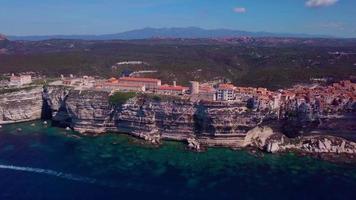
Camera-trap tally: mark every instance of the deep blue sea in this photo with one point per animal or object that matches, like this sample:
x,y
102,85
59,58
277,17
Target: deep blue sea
x,y
44,162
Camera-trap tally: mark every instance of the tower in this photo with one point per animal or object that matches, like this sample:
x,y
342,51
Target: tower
x,y
194,87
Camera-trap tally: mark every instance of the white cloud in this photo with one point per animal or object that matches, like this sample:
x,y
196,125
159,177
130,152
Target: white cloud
x,y
333,25
320,3
240,10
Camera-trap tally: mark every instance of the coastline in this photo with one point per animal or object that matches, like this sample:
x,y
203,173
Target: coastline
x,y
199,125
253,149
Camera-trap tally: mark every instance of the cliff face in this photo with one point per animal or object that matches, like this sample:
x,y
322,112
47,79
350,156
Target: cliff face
x,y
169,119
308,117
224,123
86,112
207,124
25,105
54,103
224,118
211,124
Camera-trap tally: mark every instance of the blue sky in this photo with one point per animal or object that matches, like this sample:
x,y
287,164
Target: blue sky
x,y
43,17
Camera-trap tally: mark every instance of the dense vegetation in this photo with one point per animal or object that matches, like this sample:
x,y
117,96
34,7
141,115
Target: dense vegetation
x,y
119,98
160,97
273,66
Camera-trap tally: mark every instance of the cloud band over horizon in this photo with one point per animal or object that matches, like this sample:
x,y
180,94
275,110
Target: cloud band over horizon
x,y
320,3
240,10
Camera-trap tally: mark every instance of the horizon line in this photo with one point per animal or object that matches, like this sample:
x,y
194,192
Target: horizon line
x,y
312,35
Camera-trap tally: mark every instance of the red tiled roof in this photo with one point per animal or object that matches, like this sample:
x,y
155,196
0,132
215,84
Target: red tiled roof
x,y
112,80
118,84
139,79
226,86
206,89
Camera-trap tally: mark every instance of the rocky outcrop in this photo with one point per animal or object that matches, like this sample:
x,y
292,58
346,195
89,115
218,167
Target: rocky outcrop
x,y
311,144
265,139
258,136
24,105
194,144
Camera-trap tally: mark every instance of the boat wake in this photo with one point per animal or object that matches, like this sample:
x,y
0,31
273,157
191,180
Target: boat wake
x,y
50,173
83,179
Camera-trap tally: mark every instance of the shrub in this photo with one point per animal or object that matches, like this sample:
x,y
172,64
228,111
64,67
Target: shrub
x,y
11,90
160,97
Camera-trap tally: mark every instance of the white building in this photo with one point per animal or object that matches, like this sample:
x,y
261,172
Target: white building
x,y
149,83
225,92
20,80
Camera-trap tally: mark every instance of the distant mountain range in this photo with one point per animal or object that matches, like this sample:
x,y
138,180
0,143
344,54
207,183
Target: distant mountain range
x,y
147,33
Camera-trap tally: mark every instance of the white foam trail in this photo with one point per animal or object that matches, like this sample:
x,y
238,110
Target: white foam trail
x,y
82,179
50,173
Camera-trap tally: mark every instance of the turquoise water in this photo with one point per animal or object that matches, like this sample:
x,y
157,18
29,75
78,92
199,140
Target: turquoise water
x,y
43,162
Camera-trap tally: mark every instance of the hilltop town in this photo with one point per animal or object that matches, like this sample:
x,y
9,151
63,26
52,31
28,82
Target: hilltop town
x,y
215,113
325,99
301,105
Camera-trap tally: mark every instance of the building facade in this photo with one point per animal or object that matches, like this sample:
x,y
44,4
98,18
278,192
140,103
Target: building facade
x,y
225,92
172,89
20,80
149,83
